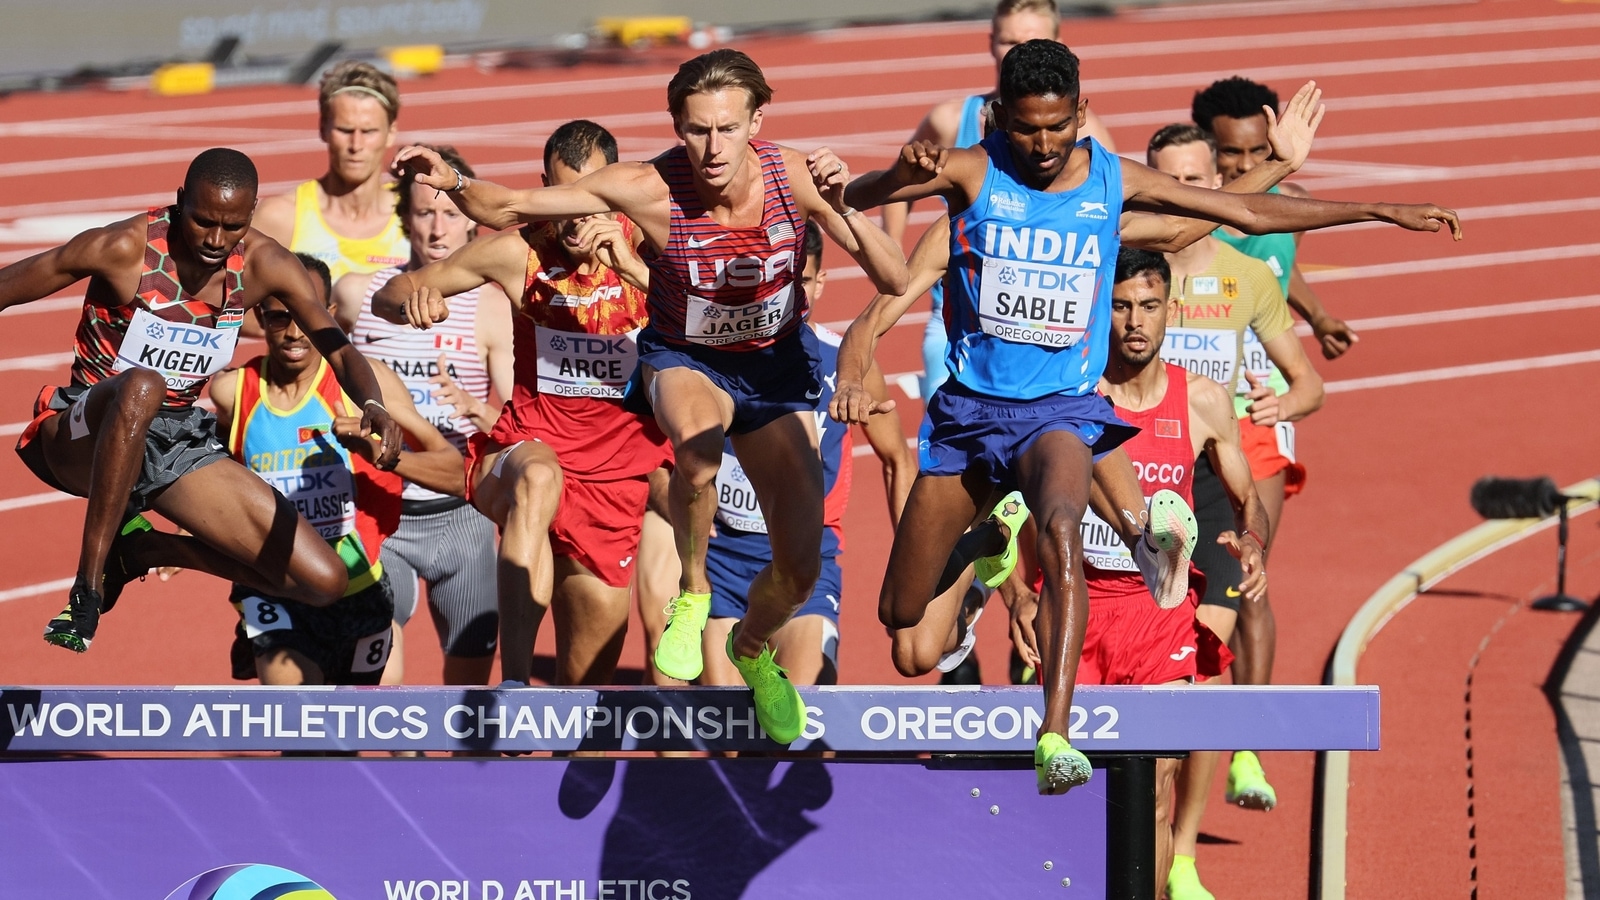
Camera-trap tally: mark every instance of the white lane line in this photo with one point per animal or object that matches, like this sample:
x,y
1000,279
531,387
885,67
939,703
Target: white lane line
x,y
1450,373
1452,263
34,500
1463,314
1496,131
34,590
1275,8
1496,211
42,361
53,304
1405,175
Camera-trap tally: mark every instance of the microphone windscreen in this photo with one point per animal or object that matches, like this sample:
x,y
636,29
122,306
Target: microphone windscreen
x,y
1515,498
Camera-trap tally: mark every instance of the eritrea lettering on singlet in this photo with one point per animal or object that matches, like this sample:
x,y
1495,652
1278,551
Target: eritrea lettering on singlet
x,y
1163,457
729,288
162,327
581,329
1029,289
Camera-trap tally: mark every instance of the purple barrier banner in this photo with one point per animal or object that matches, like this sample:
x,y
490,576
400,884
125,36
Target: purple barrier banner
x,y
846,719
642,829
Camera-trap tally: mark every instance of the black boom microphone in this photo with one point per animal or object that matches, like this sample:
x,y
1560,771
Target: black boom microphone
x,y
1531,498
1516,498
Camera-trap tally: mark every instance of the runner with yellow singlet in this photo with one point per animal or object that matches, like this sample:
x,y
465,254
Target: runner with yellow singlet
x,y
346,218
1224,294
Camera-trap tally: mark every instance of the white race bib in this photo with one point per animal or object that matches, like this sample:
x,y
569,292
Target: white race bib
x,y
324,495
1103,547
262,615
575,364
736,499
714,325
1284,432
372,652
185,355
1256,361
1211,352
1034,303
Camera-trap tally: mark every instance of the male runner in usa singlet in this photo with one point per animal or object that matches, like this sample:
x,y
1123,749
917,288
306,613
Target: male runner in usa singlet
x,y
166,294
727,351
1034,216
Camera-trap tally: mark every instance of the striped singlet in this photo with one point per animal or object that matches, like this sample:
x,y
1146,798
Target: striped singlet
x,y
729,288
162,327
413,354
350,502
343,255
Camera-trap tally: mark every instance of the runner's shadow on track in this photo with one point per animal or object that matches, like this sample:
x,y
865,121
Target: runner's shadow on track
x,y
1203,838
16,701
714,823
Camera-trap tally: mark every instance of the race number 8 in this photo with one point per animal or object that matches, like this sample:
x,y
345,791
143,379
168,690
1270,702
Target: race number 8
x,y
262,615
372,652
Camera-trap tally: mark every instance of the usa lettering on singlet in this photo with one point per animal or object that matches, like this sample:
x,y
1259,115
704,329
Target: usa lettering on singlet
x,y
162,328
729,288
741,524
413,354
1163,457
352,505
1028,296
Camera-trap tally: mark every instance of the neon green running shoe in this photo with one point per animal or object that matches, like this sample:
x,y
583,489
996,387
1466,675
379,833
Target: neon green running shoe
x,y
74,628
1247,783
678,655
994,570
779,708
1183,882
1057,767
117,575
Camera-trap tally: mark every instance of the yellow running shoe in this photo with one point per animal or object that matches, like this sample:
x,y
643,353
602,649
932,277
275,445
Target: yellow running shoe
x,y
1057,767
1247,783
994,570
779,708
678,655
1183,882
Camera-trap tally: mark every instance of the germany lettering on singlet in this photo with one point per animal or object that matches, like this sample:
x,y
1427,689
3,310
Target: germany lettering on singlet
x,y
729,288
161,328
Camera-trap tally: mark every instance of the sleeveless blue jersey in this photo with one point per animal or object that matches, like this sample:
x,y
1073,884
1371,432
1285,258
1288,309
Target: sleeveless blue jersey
x,y
741,526
1028,293
968,134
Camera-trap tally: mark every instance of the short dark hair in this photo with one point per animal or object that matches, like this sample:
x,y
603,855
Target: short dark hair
x,y
576,141
223,168
402,188
813,242
1133,262
319,269
1236,98
1038,68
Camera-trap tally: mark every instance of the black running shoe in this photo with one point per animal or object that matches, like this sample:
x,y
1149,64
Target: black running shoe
x,y
117,575
74,629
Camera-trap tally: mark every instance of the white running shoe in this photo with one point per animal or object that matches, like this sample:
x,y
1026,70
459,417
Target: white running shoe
x,y
972,604
1163,555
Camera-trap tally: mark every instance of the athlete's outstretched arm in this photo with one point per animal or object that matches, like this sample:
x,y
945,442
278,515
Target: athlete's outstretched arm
x,y
419,297
1218,431
1290,137
112,250
823,200
852,402
889,445
1146,190
501,207
923,169
278,274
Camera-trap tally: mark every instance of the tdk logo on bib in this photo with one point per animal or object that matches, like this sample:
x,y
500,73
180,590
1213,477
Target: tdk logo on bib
x,y
1008,205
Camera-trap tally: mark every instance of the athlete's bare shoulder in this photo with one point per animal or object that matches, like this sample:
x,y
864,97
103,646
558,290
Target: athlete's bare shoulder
x,y
1209,405
942,123
275,217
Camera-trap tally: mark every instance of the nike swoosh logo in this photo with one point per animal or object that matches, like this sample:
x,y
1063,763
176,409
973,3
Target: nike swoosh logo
x,y
813,395
696,245
373,339
1182,654
1231,592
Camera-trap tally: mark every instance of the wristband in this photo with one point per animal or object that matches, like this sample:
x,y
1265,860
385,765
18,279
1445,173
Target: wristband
x,y
461,182
847,212
375,403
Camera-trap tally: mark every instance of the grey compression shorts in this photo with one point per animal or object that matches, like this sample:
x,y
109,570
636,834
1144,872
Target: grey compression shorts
x,y
452,549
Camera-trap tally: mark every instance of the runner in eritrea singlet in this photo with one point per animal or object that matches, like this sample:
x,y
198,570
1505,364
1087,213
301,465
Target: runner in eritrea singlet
x,y
312,236
728,288
185,339
1030,278
1163,456
351,503
413,354
574,340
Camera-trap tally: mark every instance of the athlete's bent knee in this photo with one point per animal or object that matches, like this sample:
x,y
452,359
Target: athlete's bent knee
x,y
141,392
321,578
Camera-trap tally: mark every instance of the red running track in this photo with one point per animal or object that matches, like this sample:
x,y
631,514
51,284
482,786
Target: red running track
x,y
1487,107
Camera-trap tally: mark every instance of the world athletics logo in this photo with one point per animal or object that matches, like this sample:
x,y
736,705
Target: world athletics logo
x,y
250,882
